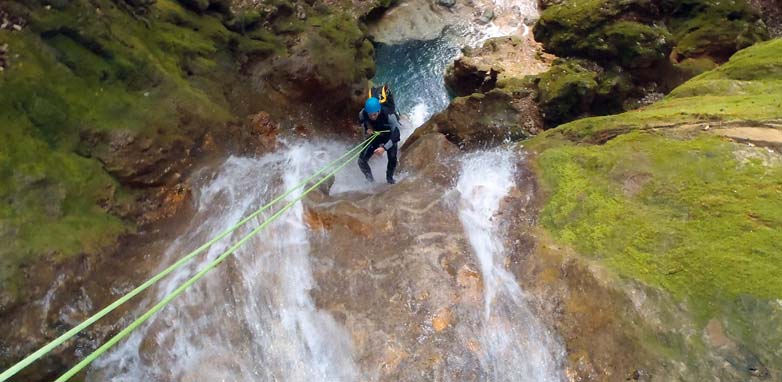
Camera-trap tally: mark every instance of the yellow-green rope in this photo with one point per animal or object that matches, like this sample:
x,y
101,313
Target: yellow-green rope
x,y
16,368
167,299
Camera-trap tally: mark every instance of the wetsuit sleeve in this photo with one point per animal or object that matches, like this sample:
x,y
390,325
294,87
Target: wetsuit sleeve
x,y
395,134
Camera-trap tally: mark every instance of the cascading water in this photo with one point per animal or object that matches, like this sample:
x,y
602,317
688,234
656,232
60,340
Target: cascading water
x,y
415,69
252,318
516,345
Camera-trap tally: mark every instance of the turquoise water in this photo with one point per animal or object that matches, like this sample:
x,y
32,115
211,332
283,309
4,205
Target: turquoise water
x,y
414,70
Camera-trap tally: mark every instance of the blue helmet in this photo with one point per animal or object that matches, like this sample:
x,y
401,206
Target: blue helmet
x,y
372,105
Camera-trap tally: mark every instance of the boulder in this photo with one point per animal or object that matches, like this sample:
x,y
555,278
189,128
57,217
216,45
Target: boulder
x,y
484,120
497,60
430,157
412,20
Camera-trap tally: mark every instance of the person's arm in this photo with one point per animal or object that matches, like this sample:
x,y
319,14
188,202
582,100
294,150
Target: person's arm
x,y
395,134
363,124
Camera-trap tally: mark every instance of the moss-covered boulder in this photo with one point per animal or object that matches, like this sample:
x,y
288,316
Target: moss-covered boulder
x,y
648,46
574,88
608,32
743,91
714,29
326,69
639,33
660,197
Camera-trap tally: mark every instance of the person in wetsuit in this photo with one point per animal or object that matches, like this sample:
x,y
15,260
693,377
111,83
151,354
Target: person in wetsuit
x,y
374,117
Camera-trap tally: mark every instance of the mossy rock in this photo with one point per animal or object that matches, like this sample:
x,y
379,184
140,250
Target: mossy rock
x,y
634,33
574,88
629,44
222,6
78,73
655,46
714,29
595,29
566,90
746,88
679,208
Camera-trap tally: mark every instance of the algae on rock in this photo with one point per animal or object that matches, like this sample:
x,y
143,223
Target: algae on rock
x,y
105,105
651,46
655,196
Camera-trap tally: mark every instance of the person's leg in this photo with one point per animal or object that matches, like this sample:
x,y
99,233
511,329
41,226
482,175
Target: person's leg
x,y
363,162
392,160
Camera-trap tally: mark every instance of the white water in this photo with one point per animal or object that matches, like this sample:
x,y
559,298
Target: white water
x,y
252,318
516,345
512,17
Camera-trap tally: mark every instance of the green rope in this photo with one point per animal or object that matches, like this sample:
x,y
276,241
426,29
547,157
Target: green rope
x,y
86,323
122,334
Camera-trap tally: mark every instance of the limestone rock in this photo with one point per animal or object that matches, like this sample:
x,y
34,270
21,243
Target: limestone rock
x,y
411,20
430,157
327,69
499,60
484,120
397,287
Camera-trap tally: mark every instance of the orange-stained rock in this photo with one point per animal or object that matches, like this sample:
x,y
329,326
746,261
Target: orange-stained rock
x,y
442,319
262,132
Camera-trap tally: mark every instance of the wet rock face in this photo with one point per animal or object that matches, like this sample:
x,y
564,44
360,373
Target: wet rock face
x,y
484,120
396,270
416,20
325,73
430,157
112,124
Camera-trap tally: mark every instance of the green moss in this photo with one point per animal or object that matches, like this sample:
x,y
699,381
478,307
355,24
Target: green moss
x,y
593,29
602,30
572,88
694,217
684,215
339,46
50,201
692,67
748,87
631,44
73,72
714,28
566,90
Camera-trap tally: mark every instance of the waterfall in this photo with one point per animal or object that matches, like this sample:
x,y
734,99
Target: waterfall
x,y
516,345
252,318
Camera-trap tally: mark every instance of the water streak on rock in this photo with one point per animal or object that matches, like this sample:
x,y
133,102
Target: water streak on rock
x,y
252,318
515,344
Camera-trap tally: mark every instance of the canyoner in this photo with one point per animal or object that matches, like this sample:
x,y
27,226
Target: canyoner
x,y
380,115
330,170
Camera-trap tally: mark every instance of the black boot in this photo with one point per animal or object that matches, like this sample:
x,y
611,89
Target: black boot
x,y
363,164
391,164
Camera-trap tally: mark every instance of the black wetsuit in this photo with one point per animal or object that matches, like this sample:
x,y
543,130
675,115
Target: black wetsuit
x,y
387,122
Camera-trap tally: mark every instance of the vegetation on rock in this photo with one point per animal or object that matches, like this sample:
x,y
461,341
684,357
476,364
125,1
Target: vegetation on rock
x,y
657,197
104,103
650,46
